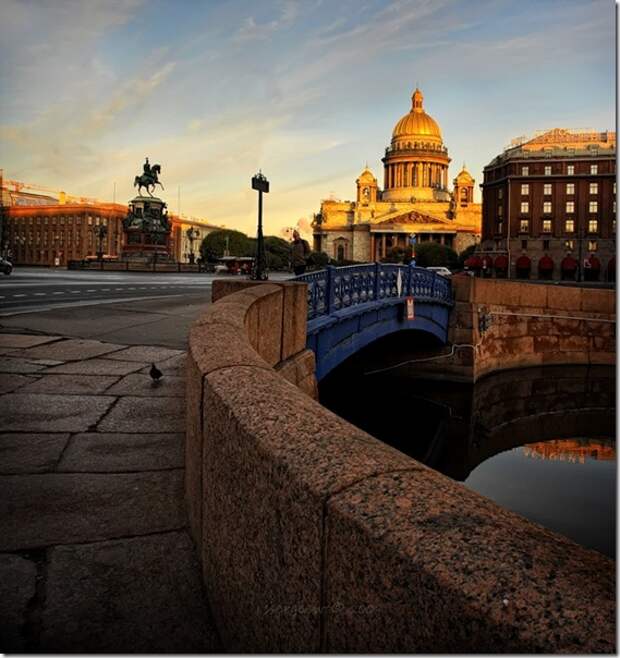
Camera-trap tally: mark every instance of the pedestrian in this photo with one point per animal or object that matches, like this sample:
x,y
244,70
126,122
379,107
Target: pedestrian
x,y
300,250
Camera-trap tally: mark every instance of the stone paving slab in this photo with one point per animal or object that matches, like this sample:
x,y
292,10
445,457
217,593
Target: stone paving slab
x,y
23,340
71,349
145,353
30,453
143,386
138,414
60,508
175,365
31,412
97,367
100,452
13,381
21,366
71,384
17,587
141,595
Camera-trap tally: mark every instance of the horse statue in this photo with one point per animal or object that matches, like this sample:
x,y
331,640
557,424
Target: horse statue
x,y
149,178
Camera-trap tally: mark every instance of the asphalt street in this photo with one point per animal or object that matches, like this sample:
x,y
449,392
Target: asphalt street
x,y
133,308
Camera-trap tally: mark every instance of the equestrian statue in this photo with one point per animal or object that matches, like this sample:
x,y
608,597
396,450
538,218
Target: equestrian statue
x,y
149,178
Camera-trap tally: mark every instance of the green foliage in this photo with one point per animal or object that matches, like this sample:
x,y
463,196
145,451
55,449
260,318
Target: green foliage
x,y
214,244
465,254
278,252
399,255
317,260
433,254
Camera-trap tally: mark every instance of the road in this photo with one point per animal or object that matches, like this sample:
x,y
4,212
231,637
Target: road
x,y
132,308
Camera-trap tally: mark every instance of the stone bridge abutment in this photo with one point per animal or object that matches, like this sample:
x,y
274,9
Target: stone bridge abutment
x,y
316,537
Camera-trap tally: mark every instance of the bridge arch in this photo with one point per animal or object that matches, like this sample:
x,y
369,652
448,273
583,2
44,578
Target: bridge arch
x,y
352,307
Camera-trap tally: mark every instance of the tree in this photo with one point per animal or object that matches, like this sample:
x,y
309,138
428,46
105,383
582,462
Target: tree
x,y
278,253
433,254
214,244
317,260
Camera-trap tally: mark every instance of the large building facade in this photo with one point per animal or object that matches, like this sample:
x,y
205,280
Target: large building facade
x,y
549,207
415,199
45,230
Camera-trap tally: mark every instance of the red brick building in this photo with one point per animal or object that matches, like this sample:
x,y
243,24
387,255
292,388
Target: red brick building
x,y
549,208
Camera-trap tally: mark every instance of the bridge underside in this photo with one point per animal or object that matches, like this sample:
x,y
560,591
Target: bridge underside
x,y
336,337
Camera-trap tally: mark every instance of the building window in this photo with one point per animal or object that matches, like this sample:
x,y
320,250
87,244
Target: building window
x,y
594,169
546,226
570,206
500,227
548,170
524,226
500,193
547,207
569,226
592,225
90,220
570,189
592,245
547,189
614,188
546,245
593,206
525,207
614,206
613,225
524,244
525,189
500,210
593,188
570,170
569,244
525,171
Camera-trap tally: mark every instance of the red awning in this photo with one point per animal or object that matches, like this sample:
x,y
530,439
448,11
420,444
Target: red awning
x,y
501,262
611,266
487,261
595,263
545,264
523,263
569,263
473,261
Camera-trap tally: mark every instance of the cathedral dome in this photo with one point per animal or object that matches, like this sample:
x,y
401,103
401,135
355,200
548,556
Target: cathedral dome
x,y
417,124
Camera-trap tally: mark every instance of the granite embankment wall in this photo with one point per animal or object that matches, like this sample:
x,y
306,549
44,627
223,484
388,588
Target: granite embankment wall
x,y
316,537
528,325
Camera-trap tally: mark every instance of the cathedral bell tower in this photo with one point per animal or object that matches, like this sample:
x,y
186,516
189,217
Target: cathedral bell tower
x,y
366,188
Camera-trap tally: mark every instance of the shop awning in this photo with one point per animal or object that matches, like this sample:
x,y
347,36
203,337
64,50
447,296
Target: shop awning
x,y
545,264
523,263
569,263
487,261
595,263
501,262
473,261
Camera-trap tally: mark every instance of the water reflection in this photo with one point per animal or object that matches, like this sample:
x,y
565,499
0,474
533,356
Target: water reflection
x,y
539,441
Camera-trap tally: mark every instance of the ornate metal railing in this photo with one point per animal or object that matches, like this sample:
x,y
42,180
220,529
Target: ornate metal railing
x,y
338,288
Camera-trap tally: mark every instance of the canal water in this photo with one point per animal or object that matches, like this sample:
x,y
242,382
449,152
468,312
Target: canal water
x,y
538,441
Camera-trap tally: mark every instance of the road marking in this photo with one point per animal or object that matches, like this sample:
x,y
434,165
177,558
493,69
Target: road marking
x,y
118,289
74,292
105,290
1,296
40,294
91,290
19,295
58,293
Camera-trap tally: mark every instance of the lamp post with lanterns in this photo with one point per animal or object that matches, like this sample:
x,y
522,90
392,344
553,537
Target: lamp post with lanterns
x,y
100,233
259,271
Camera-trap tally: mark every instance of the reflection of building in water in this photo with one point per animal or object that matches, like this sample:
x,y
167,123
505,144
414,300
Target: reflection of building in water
x,y
571,450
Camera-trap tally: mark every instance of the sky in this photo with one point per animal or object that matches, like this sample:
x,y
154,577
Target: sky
x,y
307,91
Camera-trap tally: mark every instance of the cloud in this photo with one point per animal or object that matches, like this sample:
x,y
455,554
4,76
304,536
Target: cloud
x,y
251,30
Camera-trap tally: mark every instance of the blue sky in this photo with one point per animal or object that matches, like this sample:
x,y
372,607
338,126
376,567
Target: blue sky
x,y
308,91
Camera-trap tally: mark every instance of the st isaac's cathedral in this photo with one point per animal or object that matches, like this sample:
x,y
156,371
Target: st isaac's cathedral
x,y
415,199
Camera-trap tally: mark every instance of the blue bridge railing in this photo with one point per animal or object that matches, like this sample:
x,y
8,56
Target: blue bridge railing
x,y
338,288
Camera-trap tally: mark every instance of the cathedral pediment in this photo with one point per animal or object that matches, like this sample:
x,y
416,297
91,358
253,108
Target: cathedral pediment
x,y
410,218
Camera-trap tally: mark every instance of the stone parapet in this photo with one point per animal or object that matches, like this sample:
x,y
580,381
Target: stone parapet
x,y
316,537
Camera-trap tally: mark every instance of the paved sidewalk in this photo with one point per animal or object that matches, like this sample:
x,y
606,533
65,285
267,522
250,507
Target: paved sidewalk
x,y
94,550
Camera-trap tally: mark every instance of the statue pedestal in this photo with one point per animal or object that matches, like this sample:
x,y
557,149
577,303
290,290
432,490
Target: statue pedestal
x,y
147,231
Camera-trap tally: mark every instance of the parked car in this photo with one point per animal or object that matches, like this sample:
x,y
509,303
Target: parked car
x,y
5,266
443,271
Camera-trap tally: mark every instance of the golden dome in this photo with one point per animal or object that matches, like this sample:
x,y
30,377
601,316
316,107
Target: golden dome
x,y
417,124
464,176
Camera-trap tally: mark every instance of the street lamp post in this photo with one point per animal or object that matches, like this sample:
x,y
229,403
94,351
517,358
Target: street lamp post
x,y
100,233
259,273
192,234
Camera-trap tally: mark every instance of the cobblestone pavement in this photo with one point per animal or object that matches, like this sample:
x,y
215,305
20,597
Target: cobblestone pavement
x,y
95,556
